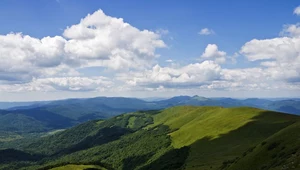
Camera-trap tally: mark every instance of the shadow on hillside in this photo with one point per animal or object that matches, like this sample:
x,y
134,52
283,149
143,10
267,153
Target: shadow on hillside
x,y
135,161
217,153
212,153
206,153
172,160
150,112
50,119
12,155
103,136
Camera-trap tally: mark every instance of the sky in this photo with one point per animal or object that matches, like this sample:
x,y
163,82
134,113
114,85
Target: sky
x,y
56,49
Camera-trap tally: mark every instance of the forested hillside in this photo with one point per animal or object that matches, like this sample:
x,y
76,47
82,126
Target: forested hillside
x,y
182,137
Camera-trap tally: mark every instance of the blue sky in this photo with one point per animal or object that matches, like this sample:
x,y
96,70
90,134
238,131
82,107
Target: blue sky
x,y
174,58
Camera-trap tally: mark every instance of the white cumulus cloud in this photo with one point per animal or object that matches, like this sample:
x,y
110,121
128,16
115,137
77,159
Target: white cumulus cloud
x,y
111,42
212,52
97,40
61,84
280,56
51,63
297,11
206,31
190,75
292,30
23,57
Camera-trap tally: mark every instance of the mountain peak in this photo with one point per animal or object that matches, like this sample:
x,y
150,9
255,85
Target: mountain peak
x,y
200,98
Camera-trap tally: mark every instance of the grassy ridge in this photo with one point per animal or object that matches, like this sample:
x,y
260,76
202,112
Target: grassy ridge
x,y
280,151
193,123
218,134
42,117
182,137
214,152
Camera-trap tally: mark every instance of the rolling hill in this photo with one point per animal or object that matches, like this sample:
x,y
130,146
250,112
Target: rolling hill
x,y
38,118
105,107
181,137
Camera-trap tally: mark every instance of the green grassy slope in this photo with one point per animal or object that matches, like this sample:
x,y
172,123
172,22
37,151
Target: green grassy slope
x,y
182,137
194,123
43,117
218,134
280,151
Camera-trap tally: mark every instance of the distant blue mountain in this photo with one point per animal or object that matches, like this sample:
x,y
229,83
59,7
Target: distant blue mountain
x,y
7,105
45,116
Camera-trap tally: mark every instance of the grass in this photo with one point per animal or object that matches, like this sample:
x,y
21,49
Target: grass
x,y
193,123
216,135
131,122
99,122
280,151
182,137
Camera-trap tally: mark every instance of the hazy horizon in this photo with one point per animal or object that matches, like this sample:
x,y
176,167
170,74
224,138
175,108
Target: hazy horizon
x,y
151,98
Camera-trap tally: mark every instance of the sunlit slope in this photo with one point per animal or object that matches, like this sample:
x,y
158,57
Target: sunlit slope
x,y
182,137
191,123
216,135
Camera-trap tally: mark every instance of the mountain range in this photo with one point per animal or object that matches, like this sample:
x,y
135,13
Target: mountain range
x,y
179,137
36,117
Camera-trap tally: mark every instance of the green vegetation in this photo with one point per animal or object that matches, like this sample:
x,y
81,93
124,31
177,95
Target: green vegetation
x,y
9,136
182,137
89,134
20,123
219,133
280,151
53,132
213,121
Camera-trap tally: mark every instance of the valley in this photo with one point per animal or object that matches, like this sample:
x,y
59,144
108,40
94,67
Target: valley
x,y
179,137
